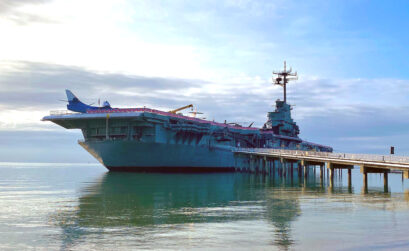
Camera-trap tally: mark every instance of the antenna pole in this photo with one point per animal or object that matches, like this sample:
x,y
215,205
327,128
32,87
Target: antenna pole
x,y
285,82
283,77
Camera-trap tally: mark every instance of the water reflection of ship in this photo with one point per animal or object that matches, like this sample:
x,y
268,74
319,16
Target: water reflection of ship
x,y
147,201
152,201
140,199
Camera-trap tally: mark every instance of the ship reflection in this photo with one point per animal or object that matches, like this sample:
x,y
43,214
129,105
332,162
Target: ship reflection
x,y
150,202
151,199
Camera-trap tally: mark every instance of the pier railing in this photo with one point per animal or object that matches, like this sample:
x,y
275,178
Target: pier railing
x,y
62,112
341,156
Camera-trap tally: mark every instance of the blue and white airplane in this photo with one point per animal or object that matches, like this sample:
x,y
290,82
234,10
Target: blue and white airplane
x,y
75,105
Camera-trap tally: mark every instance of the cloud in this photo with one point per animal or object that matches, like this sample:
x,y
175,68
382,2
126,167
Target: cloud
x,y
11,10
196,39
39,85
360,128
10,5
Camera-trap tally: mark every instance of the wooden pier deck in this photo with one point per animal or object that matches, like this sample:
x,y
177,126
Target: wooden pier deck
x,y
267,160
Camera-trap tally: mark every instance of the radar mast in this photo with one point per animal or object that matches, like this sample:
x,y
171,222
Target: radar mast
x,y
283,77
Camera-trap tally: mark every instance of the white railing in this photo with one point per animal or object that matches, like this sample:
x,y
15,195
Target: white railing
x,y
62,112
341,156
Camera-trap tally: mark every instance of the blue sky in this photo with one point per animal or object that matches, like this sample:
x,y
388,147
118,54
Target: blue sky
x,y
351,56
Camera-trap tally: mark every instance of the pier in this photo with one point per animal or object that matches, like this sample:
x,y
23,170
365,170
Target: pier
x,y
261,160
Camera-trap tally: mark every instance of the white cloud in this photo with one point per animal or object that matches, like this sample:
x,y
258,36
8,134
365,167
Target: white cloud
x,y
26,120
93,34
182,39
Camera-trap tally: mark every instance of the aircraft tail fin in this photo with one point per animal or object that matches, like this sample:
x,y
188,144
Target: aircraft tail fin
x,y
70,96
75,105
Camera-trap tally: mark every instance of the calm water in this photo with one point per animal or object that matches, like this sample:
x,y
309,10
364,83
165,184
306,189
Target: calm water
x,y
79,207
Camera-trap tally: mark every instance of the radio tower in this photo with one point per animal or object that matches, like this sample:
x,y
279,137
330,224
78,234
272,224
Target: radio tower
x,y
283,77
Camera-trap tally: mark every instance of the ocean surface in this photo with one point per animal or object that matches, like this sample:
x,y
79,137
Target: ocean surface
x,y
84,207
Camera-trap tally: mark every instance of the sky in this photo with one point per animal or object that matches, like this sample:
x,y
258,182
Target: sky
x,y
351,58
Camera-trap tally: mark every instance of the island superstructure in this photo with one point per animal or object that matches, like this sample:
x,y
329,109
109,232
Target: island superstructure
x,y
144,139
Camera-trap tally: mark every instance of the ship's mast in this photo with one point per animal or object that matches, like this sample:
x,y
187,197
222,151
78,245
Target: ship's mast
x,y
283,77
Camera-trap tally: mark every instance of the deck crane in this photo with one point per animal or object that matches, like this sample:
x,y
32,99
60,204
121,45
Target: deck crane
x,y
181,108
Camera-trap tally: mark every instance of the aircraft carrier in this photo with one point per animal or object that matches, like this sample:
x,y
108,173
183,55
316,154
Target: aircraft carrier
x,y
144,139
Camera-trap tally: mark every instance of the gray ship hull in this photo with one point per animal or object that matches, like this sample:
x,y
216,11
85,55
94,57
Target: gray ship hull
x,y
131,155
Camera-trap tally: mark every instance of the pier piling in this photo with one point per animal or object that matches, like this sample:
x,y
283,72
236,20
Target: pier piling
x,y
299,169
331,174
405,174
274,166
385,181
305,167
365,179
292,170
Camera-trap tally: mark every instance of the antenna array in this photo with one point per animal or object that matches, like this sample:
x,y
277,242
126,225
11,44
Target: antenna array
x,y
283,77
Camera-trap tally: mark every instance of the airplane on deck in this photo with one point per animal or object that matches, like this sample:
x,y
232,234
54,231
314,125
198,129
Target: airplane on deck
x,y
75,105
